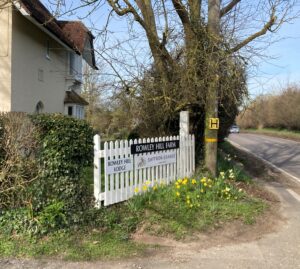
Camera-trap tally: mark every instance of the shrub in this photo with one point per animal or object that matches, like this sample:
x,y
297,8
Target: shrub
x,y
66,148
18,167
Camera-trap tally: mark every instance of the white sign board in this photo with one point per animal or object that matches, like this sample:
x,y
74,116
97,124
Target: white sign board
x,y
118,165
159,158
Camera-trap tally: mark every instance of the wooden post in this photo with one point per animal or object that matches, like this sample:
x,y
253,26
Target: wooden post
x,y
184,123
211,110
97,170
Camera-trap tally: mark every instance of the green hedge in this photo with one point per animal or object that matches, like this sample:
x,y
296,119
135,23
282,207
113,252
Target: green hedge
x,y
66,148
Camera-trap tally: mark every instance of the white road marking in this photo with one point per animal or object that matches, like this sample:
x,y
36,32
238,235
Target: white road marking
x,y
295,179
295,195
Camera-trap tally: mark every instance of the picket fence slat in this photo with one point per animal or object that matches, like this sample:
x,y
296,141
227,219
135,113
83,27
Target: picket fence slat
x,y
122,185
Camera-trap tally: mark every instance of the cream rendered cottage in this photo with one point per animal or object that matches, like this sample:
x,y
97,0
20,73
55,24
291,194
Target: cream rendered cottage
x,y
41,60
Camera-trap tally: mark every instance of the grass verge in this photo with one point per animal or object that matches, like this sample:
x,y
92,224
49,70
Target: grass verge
x,y
293,135
177,210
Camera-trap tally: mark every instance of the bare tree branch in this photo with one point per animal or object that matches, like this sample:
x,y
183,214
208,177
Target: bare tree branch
x,y
263,31
229,7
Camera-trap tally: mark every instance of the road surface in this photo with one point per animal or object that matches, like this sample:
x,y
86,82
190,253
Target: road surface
x,y
282,153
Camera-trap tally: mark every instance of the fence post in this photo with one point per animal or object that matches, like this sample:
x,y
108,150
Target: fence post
x,y
184,123
97,170
183,134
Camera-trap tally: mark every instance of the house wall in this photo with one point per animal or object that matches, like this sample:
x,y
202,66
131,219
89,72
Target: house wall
x,y
36,77
5,59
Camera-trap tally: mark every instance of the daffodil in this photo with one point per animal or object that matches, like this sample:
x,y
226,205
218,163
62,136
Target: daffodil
x,y
136,190
203,179
145,188
177,193
194,181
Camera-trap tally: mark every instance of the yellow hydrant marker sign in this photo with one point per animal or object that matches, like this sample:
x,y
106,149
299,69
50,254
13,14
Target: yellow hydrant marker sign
x,y
213,123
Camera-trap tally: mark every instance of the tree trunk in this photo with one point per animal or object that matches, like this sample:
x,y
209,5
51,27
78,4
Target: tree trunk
x,y
211,110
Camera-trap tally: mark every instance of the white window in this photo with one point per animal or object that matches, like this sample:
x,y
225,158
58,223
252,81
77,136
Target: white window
x,y
76,111
75,66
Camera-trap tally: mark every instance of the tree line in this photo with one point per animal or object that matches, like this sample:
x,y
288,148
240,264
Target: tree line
x,y
281,110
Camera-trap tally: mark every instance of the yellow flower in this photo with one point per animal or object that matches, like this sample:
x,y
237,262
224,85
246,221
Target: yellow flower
x,y
203,179
185,181
177,193
177,186
194,181
147,182
205,184
179,181
188,201
145,188
136,190
154,187
202,190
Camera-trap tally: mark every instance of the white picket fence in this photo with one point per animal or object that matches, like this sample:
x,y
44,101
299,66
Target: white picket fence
x,y
117,187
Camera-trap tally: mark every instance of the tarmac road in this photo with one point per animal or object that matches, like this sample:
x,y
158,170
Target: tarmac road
x,y
284,154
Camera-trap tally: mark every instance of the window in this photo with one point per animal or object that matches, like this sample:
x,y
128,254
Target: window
x,y
39,108
76,111
79,112
70,110
41,75
48,49
75,66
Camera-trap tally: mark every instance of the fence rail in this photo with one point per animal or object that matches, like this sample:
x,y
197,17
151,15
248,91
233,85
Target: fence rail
x,y
132,173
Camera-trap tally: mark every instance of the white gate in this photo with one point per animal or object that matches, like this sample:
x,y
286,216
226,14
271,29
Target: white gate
x,y
127,172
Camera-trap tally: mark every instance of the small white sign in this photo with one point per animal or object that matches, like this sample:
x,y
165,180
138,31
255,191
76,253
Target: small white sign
x,y
160,158
118,165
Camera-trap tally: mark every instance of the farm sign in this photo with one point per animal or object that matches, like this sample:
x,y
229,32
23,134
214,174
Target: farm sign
x,y
154,146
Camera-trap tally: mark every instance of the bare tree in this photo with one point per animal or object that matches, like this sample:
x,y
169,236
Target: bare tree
x,y
206,34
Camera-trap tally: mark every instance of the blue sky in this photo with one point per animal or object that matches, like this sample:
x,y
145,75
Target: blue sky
x,y
282,65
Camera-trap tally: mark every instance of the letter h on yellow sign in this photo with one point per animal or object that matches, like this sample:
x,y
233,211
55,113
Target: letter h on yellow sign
x,y
213,123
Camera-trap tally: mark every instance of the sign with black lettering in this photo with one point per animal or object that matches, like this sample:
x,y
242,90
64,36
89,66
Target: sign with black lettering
x,y
118,165
155,159
213,123
154,146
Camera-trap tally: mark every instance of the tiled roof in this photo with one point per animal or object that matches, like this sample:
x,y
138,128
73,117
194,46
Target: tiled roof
x,y
71,97
72,33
